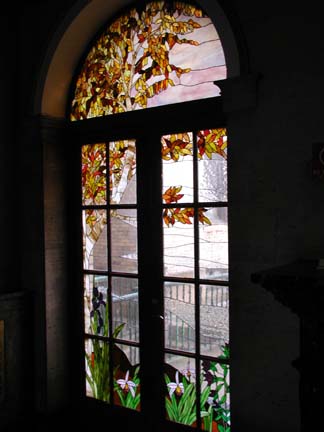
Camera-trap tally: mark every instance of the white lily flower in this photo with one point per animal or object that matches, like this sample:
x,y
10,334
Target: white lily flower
x,y
176,387
127,385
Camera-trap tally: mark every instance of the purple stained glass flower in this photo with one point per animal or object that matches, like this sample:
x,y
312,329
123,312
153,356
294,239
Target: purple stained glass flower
x,y
98,308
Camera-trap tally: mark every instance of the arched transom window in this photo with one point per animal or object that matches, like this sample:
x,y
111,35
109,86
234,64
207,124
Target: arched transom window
x,y
161,53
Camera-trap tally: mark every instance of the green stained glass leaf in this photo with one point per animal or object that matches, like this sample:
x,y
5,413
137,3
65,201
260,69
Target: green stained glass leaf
x,y
127,377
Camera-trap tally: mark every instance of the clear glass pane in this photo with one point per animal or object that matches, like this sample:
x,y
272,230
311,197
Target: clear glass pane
x,y
126,376
178,242
94,186
165,53
97,369
94,239
125,308
124,240
179,316
180,377
215,395
95,305
213,243
212,166
122,172
214,316
177,168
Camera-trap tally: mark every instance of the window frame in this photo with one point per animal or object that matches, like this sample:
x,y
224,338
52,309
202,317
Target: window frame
x,y
180,117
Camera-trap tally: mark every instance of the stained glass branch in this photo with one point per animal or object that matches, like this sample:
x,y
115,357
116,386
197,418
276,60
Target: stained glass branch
x,y
194,85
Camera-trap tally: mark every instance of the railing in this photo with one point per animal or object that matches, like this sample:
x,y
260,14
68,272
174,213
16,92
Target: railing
x,y
210,295
180,335
179,332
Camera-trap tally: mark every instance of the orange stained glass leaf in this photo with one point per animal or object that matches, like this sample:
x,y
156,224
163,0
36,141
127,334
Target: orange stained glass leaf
x,y
176,145
202,217
184,216
134,60
212,141
188,9
171,195
93,174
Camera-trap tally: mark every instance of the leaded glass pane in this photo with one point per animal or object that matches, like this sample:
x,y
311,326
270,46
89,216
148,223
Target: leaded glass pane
x,y
212,166
125,307
214,316
179,316
177,168
215,394
95,305
213,243
94,185
94,239
126,376
97,369
124,240
180,400
178,240
167,52
122,172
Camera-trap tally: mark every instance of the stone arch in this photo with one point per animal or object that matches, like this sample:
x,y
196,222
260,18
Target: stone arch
x,y
52,86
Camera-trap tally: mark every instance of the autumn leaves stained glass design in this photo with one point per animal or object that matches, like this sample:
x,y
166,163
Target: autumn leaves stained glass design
x,y
177,147
178,165
165,52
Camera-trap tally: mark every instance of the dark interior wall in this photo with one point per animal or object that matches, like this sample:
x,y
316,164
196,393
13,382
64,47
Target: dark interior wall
x,y
9,160
276,211
277,206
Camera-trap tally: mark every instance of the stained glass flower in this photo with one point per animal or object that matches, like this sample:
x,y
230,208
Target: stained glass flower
x,y
176,387
127,385
188,372
98,308
97,299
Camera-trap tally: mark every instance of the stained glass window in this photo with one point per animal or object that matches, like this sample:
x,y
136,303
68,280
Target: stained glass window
x,y
109,214
162,53
195,267
154,225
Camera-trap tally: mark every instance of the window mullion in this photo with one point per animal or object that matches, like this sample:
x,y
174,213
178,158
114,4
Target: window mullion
x,y
150,270
197,276
109,288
